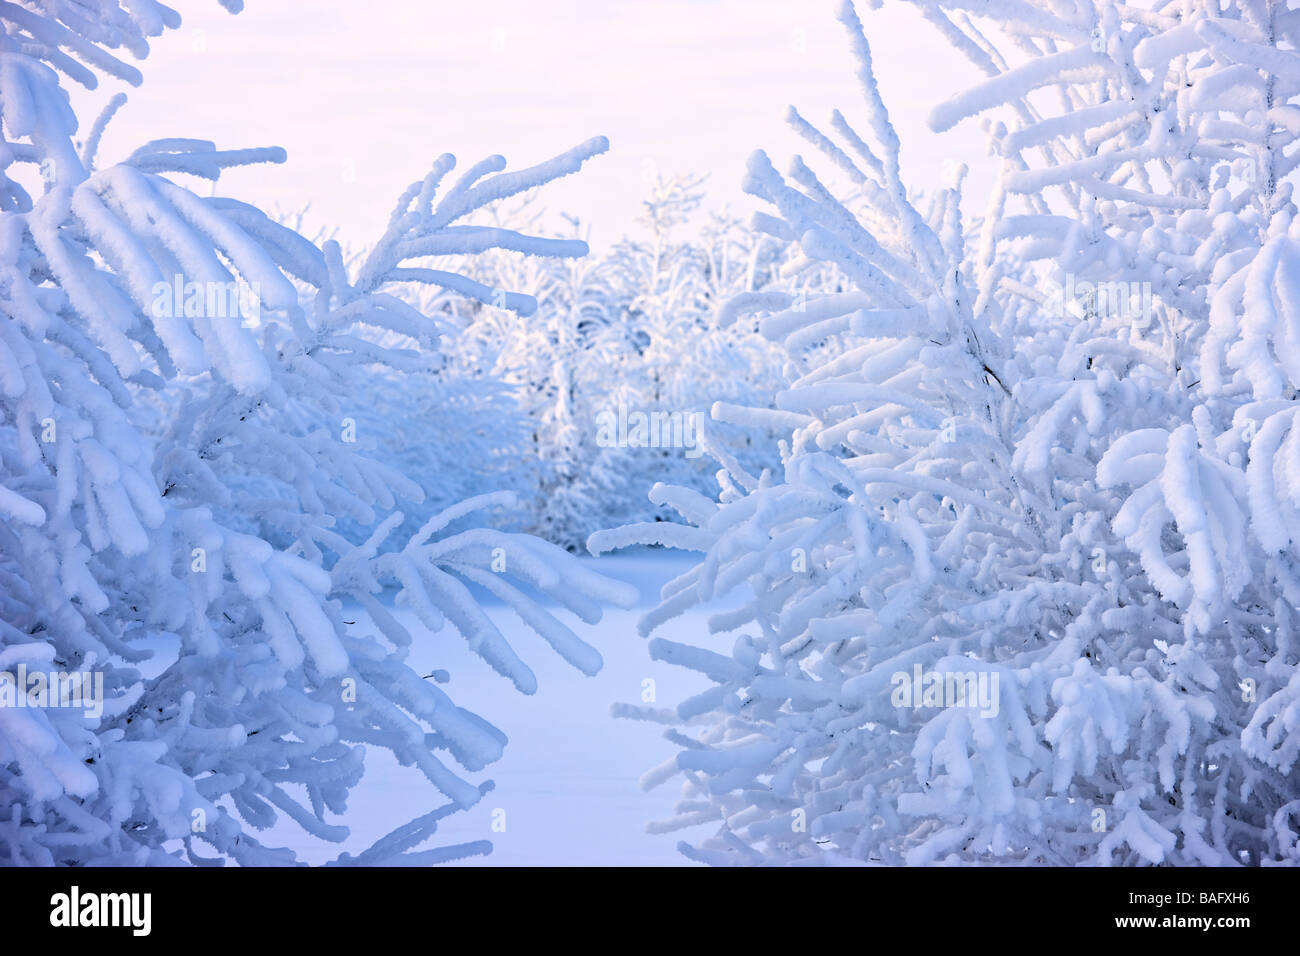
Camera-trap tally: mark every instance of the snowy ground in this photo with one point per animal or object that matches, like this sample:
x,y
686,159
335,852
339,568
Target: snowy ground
x,y
568,780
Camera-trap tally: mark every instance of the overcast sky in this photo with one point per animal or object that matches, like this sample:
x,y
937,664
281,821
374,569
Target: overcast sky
x,y
365,95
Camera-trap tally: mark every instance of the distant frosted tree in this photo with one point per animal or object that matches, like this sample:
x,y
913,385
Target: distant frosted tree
x,y
631,330
1025,589
196,563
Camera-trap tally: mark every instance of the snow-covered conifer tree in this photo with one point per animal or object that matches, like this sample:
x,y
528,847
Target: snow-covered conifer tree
x,y
195,562
628,330
1026,587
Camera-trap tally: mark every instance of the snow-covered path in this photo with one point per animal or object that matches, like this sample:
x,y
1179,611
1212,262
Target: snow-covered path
x,y
568,779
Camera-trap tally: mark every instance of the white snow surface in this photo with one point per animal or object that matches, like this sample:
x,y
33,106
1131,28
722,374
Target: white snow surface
x,y
568,779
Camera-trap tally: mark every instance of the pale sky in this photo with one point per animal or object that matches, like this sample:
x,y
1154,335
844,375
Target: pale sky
x,y
364,96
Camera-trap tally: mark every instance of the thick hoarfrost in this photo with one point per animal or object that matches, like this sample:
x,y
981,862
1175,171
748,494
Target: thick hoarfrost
x,y
1025,587
179,468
